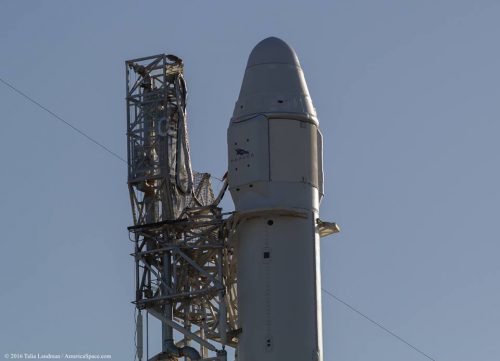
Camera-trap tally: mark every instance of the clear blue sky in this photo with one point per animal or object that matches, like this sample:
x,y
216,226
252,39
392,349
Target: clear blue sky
x,y
407,94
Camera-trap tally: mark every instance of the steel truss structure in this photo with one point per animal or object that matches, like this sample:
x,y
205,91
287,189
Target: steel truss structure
x,y
185,272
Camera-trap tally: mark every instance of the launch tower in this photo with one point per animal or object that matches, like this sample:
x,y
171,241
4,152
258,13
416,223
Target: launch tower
x,y
184,272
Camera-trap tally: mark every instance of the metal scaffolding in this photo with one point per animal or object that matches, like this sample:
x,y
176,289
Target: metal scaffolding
x,y
185,269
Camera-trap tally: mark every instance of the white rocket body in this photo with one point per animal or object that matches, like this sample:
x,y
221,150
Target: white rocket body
x,y
276,181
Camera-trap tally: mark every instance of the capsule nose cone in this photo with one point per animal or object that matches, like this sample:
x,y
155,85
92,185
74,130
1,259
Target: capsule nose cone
x,y
272,51
273,83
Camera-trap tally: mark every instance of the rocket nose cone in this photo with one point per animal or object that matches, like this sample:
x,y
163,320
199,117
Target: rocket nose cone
x,y
274,83
272,51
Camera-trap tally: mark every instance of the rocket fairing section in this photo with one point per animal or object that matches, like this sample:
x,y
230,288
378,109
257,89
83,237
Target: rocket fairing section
x,y
275,177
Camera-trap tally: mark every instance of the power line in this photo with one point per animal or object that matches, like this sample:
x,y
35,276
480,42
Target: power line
x,y
377,324
81,132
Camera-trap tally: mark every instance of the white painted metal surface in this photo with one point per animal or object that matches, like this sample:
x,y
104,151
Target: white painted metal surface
x,y
276,181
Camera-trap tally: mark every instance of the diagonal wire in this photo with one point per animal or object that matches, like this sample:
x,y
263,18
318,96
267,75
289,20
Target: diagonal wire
x,y
88,137
81,132
377,324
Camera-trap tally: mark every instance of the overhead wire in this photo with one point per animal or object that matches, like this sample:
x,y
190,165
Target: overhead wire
x,y
378,324
79,131
103,147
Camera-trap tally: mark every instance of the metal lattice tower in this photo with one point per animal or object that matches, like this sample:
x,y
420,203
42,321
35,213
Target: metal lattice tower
x,y
185,272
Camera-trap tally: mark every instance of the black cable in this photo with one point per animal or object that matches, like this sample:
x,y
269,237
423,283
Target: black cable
x,y
62,120
135,333
147,335
377,324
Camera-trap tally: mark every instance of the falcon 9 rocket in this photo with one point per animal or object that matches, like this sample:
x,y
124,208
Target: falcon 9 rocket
x,y
275,177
